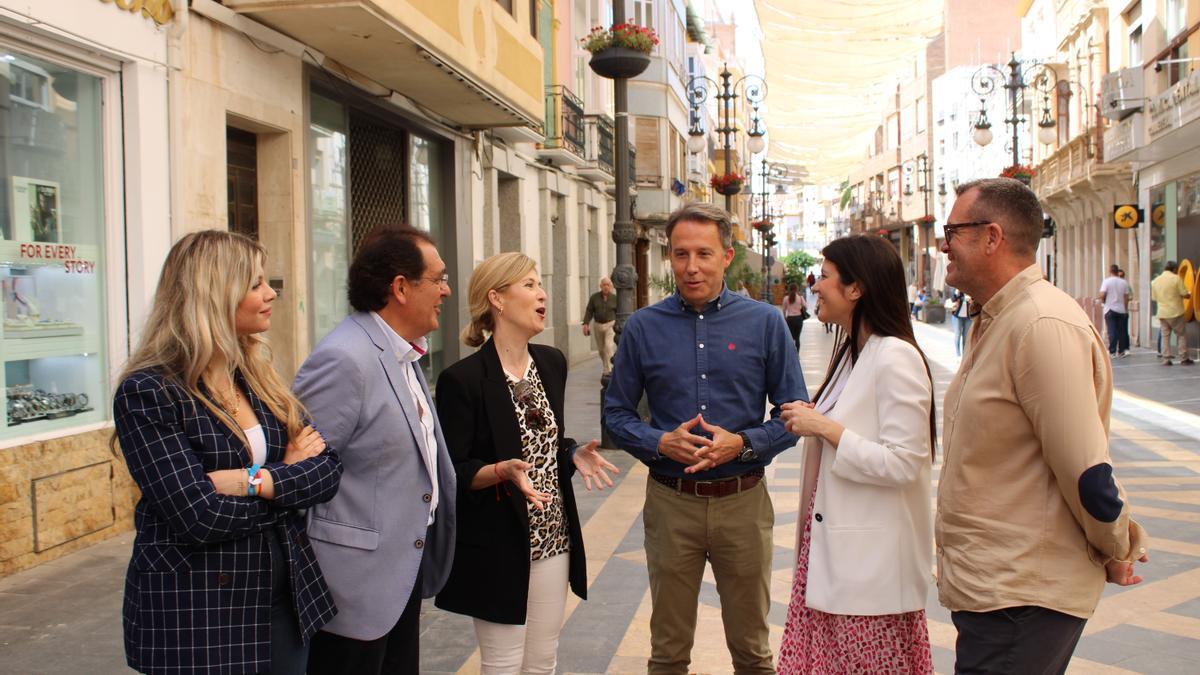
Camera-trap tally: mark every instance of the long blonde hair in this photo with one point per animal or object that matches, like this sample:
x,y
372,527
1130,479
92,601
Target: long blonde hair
x,y
494,274
192,322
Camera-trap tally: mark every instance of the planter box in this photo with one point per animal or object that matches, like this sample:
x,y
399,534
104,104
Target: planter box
x,y
933,313
619,63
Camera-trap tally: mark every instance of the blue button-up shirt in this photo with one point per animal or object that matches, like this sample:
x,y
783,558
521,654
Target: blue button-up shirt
x,y
724,362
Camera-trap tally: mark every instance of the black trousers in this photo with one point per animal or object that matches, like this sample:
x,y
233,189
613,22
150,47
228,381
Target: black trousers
x,y
1116,325
795,324
1029,640
397,652
288,651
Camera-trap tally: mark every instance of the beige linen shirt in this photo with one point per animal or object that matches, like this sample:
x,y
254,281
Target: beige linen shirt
x,y
1026,417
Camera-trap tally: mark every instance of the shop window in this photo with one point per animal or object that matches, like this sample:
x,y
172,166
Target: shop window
x,y
52,273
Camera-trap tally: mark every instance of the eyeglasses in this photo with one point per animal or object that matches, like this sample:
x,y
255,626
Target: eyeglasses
x,y
951,228
443,280
526,395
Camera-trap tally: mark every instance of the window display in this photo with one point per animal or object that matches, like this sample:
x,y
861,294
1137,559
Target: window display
x,y
51,246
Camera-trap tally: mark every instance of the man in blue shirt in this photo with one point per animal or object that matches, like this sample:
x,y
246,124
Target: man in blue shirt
x,y
708,361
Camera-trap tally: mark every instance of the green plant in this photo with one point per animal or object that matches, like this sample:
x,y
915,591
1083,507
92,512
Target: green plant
x,y
795,264
664,282
847,194
695,27
627,35
739,269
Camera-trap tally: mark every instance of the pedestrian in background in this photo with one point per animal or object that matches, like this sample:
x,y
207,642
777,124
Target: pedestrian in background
x,y
1030,520
708,362
795,312
960,310
520,542
864,554
1115,293
1169,292
222,578
598,320
386,541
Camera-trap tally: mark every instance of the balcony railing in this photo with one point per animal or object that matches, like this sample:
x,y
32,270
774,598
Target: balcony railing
x,y
564,120
598,150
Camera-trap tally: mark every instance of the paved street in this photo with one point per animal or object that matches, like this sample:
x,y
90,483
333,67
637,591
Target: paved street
x,y
64,617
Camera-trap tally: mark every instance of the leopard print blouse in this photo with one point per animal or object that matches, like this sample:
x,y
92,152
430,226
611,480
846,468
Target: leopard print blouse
x,y
539,442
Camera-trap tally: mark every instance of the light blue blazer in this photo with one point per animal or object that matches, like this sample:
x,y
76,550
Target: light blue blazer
x,y
371,538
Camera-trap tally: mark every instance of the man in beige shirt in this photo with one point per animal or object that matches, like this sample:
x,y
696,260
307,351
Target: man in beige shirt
x,y
1030,521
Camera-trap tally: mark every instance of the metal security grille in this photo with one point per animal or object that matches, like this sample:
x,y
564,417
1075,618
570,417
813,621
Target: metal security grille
x,y
378,176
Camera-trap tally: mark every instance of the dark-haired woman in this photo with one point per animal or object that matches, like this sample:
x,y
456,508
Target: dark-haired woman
x,y
865,528
795,311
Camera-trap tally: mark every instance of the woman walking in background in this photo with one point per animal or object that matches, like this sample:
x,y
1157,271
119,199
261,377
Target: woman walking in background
x,y
960,310
865,528
222,578
795,311
519,541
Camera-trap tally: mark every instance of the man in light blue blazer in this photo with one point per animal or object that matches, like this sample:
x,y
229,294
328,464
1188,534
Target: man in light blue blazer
x,y
387,539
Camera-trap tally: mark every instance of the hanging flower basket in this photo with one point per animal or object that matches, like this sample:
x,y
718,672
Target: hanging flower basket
x,y
926,220
622,51
1021,172
729,184
762,225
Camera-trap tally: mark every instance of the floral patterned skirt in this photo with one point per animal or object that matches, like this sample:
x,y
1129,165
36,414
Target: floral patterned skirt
x,y
817,642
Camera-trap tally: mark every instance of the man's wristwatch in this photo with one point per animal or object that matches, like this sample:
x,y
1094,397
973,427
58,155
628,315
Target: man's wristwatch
x,y
747,454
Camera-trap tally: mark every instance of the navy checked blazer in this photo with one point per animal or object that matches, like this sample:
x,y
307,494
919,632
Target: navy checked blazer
x,y
198,588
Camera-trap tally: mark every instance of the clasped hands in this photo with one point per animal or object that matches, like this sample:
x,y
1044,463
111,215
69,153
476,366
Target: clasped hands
x,y
699,453
232,482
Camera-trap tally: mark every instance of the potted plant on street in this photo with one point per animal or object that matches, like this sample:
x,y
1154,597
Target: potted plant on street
x,y
622,51
727,184
1021,172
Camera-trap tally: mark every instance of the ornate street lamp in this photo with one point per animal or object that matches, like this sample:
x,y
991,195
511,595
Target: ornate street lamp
x,y
624,274
1021,75
925,187
753,88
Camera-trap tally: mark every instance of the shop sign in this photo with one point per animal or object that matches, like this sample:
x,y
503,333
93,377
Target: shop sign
x,y
1175,107
1124,137
73,258
160,11
1126,216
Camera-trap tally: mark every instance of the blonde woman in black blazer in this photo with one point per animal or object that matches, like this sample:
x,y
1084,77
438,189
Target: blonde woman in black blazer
x,y
519,541
222,578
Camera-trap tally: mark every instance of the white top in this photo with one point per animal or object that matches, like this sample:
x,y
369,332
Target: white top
x,y
258,443
1115,289
408,353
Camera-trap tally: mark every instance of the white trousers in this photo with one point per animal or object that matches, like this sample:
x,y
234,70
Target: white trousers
x,y
507,649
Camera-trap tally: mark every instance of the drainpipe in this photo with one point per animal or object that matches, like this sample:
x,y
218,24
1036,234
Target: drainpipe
x,y
176,56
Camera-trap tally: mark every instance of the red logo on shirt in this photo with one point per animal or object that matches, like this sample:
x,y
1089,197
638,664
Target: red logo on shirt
x,y
732,346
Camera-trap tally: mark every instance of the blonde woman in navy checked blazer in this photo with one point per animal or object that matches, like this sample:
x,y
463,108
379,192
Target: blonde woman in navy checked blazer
x,y
222,578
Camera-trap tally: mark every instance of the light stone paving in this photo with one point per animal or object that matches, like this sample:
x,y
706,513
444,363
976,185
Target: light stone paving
x,y
64,616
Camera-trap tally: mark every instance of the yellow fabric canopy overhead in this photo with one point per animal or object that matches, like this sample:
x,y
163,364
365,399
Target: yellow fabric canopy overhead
x,y
828,64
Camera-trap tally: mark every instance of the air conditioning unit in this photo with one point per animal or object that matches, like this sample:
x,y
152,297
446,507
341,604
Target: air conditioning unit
x,y
1122,93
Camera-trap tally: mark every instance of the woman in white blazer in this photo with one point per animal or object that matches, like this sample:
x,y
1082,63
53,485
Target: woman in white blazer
x,y
864,549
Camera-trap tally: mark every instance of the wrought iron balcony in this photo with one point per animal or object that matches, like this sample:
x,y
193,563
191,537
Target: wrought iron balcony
x,y
564,127
598,150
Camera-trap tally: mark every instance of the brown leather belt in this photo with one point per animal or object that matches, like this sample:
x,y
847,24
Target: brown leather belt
x,y
711,488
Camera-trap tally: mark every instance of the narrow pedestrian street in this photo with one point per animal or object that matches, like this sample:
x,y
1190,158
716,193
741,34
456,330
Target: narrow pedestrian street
x,y
64,616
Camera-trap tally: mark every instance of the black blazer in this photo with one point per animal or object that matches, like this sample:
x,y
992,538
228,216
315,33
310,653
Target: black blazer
x,y
198,587
490,576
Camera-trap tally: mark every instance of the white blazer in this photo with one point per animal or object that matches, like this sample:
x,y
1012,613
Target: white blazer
x,y
871,549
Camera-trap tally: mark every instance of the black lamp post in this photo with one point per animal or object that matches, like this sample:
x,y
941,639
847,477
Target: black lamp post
x,y
753,88
1020,76
925,187
624,274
